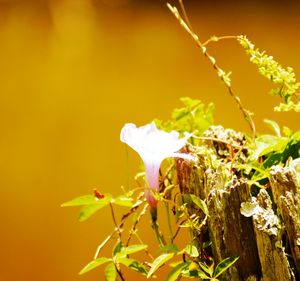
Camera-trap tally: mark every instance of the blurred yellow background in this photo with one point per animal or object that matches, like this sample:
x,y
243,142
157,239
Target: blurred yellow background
x,y
72,72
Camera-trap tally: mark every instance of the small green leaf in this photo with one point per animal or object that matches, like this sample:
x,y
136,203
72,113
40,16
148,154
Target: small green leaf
x,y
224,265
200,203
88,210
158,262
176,271
195,273
274,126
133,264
110,272
86,200
117,248
90,203
206,244
171,248
93,264
206,268
287,131
133,249
123,201
191,250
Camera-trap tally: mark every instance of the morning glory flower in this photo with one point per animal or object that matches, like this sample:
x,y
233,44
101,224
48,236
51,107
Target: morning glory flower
x,y
153,146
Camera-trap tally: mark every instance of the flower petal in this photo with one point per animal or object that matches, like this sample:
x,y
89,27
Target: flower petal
x,y
153,146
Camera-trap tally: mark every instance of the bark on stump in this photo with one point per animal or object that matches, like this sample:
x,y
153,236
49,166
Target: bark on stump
x,y
263,230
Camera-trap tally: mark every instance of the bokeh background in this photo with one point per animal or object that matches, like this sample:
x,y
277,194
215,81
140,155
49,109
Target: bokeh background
x,y
72,72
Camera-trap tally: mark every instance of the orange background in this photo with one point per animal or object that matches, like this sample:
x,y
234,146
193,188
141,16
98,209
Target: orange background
x,y
72,72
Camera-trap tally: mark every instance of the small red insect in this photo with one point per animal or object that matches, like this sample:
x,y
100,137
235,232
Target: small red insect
x,y
97,194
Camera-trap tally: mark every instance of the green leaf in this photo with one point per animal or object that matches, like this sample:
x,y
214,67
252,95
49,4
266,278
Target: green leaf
x,y
274,126
88,210
158,262
90,203
133,249
266,144
200,203
191,250
86,200
110,272
176,271
194,117
206,268
133,264
206,244
195,273
279,146
224,265
117,248
93,264
287,131
171,248
123,201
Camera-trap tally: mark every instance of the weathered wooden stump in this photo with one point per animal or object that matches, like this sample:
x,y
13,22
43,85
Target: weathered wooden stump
x,y
263,229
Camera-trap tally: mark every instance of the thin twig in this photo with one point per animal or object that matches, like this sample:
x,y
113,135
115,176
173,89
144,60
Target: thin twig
x,y
168,172
146,250
114,220
119,226
221,73
218,38
185,16
119,272
178,229
169,222
133,229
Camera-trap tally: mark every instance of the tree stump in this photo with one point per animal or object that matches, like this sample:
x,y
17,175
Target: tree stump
x,y
263,229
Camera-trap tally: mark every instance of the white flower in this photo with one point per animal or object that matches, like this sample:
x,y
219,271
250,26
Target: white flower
x,y
153,146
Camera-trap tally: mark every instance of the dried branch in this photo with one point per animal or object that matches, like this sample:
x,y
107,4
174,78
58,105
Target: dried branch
x,y
221,73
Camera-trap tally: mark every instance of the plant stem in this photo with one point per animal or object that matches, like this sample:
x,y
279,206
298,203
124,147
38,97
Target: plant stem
x,y
133,229
169,222
218,38
119,272
221,73
160,239
114,220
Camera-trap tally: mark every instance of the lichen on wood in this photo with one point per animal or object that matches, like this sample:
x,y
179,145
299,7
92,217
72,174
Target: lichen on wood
x,y
263,229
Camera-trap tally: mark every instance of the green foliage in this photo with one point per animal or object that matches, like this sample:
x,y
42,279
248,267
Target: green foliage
x,y
207,269
194,117
285,78
132,249
120,256
123,201
176,271
158,262
88,200
200,203
93,264
133,264
224,265
191,250
269,150
91,204
110,272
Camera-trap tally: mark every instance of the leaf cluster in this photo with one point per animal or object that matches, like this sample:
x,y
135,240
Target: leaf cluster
x,y
193,117
120,255
271,149
190,267
285,78
91,204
